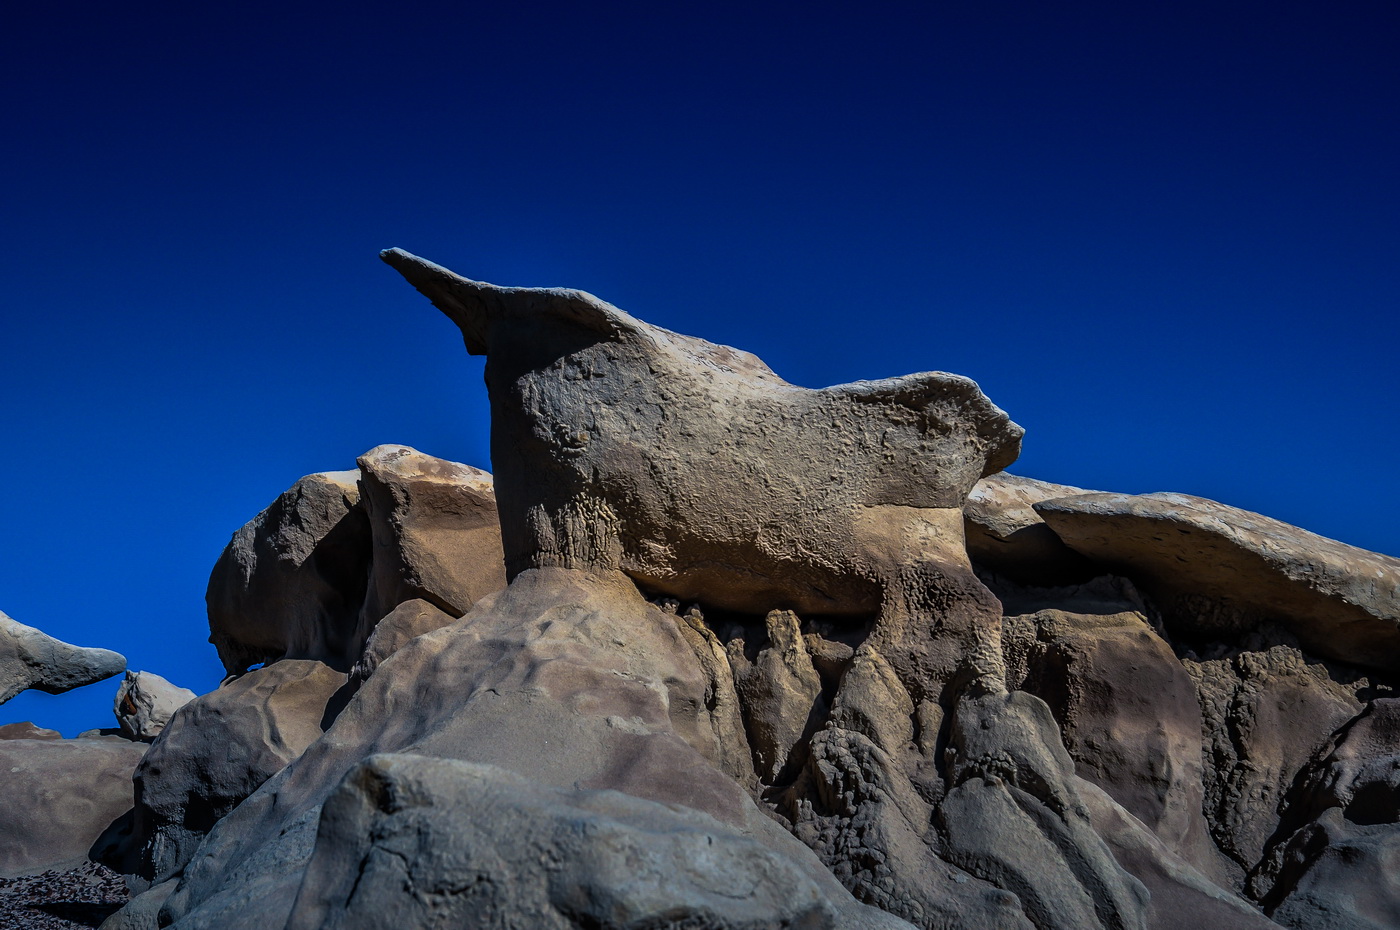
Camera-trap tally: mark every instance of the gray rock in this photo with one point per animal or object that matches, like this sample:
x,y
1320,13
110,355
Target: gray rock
x,y
145,702
568,678
61,795
216,750
30,658
1005,534
1218,571
436,842
405,622
291,582
1339,875
141,912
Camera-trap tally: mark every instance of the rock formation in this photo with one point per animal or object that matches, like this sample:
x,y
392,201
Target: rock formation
x,y
30,658
712,650
145,703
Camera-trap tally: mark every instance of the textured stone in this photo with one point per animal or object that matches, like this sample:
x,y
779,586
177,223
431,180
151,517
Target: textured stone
x,y
27,730
61,795
437,843
30,658
569,678
435,532
145,702
291,582
781,696
1005,534
1218,571
215,752
405,622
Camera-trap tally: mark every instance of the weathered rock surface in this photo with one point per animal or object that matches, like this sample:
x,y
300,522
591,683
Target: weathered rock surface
x,y
434,529
692,466
145,703
568,678
437,842
1265,715
291,582
1218,572
31,658
405,622
1127,710
1005,534
215,752
60,796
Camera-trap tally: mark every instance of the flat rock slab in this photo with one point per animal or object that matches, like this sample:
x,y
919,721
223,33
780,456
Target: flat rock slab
x,y
1005,533
1219,571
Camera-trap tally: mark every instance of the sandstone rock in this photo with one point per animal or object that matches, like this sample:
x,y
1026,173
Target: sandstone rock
x,y
569,678
1181,898
437,842
692,466
435,532
145,702
27,730
1218,571
407,621
141,912
215,752
1127,710
1339,875
30,658
1005,534
1013,816
780,693
1265,714
291,582
60,796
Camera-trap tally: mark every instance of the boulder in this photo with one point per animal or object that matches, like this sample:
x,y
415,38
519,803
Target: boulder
x,y
61,795
405,622
436,842
567,678
30,658
215,751
145,702
291,582
1006,535
1218,572
434,529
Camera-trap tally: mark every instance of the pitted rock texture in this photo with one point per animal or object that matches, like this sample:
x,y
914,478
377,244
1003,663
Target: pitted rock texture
x,y
1005,534
437,843
1219,571
31,658
61,795
145,703
569,678
692,466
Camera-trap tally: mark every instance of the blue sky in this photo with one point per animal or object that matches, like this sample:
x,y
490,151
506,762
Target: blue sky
x,y
1163,237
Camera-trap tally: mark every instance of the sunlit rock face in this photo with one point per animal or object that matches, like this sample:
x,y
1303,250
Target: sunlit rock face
x,y
697,470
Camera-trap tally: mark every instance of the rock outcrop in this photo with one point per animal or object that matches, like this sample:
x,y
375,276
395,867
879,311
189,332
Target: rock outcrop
x,y
61,796
145,703
31,658
714,650
1221,572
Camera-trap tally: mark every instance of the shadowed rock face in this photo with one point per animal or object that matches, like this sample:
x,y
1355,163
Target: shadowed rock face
x,y
692,466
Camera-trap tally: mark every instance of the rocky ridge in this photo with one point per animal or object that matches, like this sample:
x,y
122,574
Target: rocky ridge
x,y
713,650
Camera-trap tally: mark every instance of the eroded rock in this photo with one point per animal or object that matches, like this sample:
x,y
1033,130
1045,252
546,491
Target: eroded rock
x,y
1218,572
145,703
31,658
1005,534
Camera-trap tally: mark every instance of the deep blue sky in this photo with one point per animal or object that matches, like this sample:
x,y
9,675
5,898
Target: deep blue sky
x,y
1164,237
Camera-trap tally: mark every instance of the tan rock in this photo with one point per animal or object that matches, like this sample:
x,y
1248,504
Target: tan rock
x,y
1005,534
435,532
405,622
145,703
1218,571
